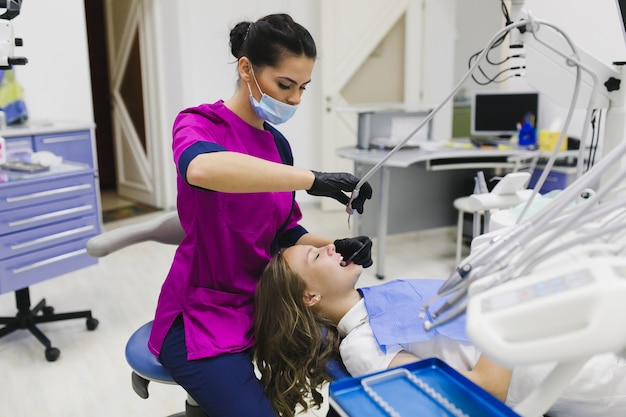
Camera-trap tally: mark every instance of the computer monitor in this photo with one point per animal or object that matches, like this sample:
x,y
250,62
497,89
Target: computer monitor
x,y
498,113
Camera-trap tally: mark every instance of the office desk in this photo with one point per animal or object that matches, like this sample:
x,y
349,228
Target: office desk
x,y
425,183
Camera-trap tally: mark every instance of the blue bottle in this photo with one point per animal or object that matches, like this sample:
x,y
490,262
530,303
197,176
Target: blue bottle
x,y
527,136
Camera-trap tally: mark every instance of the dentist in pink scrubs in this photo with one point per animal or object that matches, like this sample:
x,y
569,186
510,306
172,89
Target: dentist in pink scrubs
x,y
236,202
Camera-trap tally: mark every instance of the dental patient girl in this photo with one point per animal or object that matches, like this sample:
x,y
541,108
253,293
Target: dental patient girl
x,y
304,289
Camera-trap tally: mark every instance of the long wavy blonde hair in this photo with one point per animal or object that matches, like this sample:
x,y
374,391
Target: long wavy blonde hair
x,y
293,342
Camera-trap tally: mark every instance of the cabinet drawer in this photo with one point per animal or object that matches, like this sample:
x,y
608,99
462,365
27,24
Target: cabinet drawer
x,y
21,271
72,146
12,221
19,243
43,191
554,181
19,148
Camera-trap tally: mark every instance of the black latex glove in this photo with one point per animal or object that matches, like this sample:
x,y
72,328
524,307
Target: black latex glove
x,y
355,249
333,184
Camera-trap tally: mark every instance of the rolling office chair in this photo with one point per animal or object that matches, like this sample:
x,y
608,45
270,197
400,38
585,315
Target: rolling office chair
x,y
28,318
145,366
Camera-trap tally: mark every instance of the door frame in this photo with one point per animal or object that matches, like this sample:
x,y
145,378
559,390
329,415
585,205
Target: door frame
x,y
150,184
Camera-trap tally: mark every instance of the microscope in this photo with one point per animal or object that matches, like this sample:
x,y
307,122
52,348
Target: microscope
x,y
9,10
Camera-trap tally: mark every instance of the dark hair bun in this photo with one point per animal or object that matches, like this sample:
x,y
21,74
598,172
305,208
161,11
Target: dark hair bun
x,y
268,40
237,37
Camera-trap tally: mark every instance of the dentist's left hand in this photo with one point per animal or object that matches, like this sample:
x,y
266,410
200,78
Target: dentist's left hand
x,y
355,249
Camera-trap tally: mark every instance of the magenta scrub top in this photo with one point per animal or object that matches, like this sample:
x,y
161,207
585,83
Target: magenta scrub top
x,y
229,237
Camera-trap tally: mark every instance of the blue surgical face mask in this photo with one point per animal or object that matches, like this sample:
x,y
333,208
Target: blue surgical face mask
x,y
269,108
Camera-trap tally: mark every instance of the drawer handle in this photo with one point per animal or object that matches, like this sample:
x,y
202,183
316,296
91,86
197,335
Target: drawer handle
x,y
55,236
467,165
65,139
51,215
48,193
18,143
49,261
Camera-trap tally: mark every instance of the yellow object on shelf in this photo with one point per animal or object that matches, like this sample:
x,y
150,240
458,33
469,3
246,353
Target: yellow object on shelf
x,y
548,140
462,145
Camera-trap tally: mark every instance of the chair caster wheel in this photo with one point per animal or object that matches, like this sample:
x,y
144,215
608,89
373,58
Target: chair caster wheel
x,y
47,310
92,323
52,354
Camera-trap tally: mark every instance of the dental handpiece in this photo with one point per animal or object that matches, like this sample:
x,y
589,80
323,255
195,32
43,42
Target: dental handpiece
x,y
458,311
456,278
453,300
425,307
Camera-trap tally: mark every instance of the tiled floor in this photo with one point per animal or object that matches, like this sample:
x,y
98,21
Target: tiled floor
x,y
91,377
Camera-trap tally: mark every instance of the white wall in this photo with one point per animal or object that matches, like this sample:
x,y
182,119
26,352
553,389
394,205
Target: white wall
x,y
593,26
56,80
476,22
438,67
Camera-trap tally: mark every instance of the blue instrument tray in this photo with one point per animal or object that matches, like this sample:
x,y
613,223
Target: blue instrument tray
x,y
426,388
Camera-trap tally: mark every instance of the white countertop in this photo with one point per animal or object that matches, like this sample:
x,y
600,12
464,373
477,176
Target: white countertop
x,y
61,169
44,127
408,156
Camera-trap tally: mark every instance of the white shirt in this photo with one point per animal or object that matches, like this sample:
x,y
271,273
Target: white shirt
x,y
362,355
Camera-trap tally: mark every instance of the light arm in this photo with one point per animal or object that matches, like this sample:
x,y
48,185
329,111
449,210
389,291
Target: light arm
x,y
163,229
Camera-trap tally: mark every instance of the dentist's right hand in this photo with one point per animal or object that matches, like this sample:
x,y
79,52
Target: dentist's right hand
x,y
336,184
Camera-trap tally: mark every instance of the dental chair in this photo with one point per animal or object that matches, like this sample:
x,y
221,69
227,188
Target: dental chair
x,y
145,366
